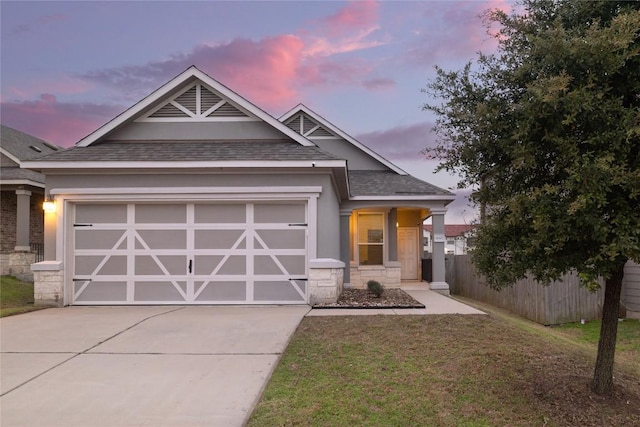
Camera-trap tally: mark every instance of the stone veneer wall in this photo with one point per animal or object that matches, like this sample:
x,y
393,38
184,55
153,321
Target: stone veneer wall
x,y
48,283
388,275
325,281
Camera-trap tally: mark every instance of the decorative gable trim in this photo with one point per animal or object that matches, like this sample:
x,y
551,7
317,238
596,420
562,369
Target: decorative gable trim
x,y
197,76
297,116
308,127
196,103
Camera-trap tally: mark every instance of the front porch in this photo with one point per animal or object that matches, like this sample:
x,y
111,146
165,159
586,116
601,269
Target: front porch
x,y
384,243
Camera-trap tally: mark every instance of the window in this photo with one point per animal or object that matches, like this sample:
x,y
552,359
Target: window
x,y
370,238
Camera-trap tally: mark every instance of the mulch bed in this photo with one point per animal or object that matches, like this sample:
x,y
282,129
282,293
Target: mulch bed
x,y
363,298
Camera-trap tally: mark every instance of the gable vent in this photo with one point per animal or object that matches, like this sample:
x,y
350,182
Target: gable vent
x,y
320,131
197,102
295,124
208,99
169,110
227,110
189,100
308,125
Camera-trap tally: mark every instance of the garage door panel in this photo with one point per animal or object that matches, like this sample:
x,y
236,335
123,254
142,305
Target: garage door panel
x,y
279,213
220,213
206,264
165,291
103,291
281,239
220,239
233,266
161,264
161,214
101,214
221,291
161,239
98,239
268,291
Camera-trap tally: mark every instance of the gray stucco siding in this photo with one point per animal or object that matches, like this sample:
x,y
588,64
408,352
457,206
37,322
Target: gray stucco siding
x,y
356,158
328,239
236,130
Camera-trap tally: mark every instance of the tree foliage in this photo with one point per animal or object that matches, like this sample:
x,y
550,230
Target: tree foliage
x,y
548,131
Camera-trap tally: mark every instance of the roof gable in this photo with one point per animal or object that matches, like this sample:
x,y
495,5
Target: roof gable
x,y
313,126
197,102
192,96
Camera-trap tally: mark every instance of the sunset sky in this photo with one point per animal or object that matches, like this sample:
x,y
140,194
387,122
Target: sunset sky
x,y
68,67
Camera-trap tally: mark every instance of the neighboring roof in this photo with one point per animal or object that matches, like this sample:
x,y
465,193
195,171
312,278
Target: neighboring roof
x,y
301,108
185,151
10,175
192,74
388,183
452,230
21,146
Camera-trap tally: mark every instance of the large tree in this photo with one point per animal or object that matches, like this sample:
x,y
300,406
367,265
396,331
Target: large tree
x,y
548,131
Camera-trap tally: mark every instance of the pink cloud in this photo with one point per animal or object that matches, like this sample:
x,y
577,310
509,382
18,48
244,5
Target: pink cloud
x,y
56,122
356,15
262,71
401,142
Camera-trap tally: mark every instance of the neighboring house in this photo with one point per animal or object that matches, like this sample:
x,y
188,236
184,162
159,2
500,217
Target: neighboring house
x,y
21,197
196,196
457,238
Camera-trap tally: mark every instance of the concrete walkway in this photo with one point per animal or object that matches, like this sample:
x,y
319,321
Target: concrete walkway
x,y
153,366
434,303
139,366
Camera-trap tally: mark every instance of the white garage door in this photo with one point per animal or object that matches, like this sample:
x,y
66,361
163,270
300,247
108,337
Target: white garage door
x,y
190,253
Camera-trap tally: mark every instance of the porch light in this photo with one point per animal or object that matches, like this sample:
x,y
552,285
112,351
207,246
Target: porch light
x,y
49,204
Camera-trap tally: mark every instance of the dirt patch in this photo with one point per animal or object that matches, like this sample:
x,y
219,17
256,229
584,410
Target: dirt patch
x,y
362,298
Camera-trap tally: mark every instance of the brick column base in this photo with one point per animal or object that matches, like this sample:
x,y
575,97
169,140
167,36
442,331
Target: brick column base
x,y
326,278
48,283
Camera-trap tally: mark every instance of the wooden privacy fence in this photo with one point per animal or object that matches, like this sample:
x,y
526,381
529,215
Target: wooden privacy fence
x,y
560,302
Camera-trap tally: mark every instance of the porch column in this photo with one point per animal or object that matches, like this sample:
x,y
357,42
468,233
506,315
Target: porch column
x,y
438,282
345,244
23,214
392,220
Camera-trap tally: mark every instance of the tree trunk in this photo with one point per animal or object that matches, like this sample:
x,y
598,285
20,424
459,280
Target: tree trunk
x,y
603,374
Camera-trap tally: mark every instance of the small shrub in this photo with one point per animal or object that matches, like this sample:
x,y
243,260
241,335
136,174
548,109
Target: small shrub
x,y
375,287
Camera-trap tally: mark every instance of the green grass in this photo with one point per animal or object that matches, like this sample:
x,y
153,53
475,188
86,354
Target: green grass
x,y
627,341
448,370
15,296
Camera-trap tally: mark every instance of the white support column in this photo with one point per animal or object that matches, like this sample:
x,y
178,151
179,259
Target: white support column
x,y
23,215
345,243
438,282
392,226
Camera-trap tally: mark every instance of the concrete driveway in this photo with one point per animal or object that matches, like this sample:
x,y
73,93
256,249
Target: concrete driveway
x,y
139,366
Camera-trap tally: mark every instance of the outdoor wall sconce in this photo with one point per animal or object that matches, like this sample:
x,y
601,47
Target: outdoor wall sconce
x,y
49,204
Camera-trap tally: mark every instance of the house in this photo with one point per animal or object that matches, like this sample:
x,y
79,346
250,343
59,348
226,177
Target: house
x,y
21,197
457,238
196,196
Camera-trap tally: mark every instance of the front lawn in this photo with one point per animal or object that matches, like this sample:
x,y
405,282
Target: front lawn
x,y
448,370
15,296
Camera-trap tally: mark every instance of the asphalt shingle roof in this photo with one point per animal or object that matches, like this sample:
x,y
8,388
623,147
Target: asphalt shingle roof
x,y
389,183
185,151
19,144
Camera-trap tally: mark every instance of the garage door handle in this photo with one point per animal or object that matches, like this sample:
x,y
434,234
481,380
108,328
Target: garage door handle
x,y
190,265
302,279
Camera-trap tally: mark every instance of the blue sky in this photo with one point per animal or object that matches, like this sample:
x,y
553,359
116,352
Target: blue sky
x,y
68,67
